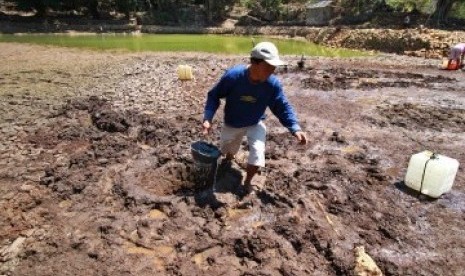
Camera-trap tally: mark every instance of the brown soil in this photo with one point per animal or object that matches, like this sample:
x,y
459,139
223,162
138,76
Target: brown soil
x,y
97,177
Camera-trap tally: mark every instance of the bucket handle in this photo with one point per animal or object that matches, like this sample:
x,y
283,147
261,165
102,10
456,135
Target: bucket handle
x,y
433,156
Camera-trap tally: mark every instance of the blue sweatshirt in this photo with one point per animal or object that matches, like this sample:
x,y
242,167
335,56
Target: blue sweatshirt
x,y
246,102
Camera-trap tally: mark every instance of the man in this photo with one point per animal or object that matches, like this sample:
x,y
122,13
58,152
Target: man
x,y
456,55
248,91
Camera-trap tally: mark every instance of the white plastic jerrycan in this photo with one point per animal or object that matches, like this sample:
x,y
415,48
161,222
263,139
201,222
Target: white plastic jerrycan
x,y
185,72
431,174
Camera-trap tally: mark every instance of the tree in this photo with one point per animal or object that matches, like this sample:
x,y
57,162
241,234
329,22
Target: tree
x,y
217,9
40,6
443,7
126,6
268,10
358,7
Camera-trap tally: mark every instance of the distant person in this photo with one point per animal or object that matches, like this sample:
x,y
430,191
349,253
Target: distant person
x,y
407,21
248,91
456,55
138,21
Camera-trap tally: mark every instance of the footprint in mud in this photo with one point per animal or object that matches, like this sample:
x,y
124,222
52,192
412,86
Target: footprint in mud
x,y
228,183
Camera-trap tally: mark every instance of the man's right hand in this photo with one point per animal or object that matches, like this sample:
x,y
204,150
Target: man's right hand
x,y
301,137
206,125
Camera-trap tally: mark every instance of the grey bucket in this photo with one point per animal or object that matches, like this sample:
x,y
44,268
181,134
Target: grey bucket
x,y
205,157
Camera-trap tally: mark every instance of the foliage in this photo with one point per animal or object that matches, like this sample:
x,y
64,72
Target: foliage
x,y
39,5
126,6
214,10
410,5
268,10
218,9
459,10
271,5
358,7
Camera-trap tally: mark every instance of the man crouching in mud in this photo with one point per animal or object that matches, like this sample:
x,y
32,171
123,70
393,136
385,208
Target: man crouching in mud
x,y
248,91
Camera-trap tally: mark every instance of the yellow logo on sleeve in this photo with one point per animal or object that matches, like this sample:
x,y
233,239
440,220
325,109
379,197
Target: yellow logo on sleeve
x,y
248,99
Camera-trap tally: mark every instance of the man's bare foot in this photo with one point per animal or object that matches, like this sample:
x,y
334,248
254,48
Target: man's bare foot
x,y
247,189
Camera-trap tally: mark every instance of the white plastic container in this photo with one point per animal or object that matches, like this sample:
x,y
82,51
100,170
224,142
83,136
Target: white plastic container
x,y
436,171
185,72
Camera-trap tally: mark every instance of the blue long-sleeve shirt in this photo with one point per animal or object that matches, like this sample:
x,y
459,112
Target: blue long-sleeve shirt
x,y
246,102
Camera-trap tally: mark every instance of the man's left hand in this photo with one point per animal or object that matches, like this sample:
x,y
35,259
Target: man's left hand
x,y
301,136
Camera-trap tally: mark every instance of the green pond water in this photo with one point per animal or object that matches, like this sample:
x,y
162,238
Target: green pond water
x,y
172,43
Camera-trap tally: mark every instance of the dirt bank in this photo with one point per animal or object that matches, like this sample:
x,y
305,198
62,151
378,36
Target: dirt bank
x,y
97,177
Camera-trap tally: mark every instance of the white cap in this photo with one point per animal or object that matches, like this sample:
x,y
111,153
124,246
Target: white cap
x,y
268,52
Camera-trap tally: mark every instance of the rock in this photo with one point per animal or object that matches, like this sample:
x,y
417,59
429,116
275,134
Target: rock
x,y
26,188
364,264
13,250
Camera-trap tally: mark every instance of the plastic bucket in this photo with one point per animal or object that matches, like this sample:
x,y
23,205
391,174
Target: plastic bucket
x,y
453,65
204,152
443,64
205,157
185,72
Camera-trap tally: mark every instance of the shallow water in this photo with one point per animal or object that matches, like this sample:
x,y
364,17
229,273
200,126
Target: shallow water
x,y
176,43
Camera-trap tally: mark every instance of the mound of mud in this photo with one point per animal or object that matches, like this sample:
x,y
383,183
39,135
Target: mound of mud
x,y
342,78
416,116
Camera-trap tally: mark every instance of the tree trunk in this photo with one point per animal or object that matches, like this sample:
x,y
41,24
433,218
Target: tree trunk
x,y
93,9
209,10
443,8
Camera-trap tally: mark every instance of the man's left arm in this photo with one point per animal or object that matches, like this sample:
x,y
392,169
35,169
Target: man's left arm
x,y
283,110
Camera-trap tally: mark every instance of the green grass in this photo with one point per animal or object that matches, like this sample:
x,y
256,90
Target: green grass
x,y
178,43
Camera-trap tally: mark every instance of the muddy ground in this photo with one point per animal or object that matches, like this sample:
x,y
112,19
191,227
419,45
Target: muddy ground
x,y
97,177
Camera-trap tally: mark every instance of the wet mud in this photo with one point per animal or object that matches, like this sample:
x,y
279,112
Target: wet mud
x,y
337,78
99,179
